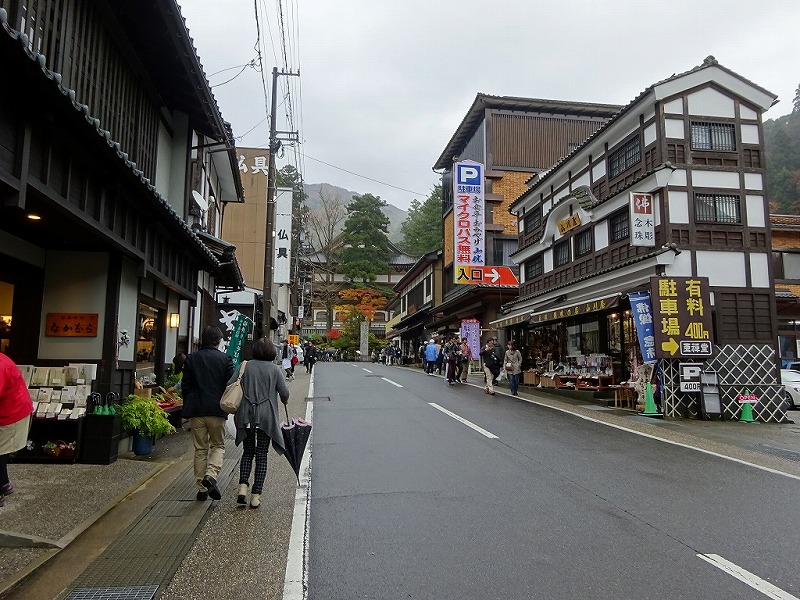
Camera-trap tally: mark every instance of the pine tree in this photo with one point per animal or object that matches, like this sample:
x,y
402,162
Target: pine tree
x,y
422,229
366,243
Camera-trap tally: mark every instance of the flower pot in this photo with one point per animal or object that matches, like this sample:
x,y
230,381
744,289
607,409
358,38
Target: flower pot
x,y
142,444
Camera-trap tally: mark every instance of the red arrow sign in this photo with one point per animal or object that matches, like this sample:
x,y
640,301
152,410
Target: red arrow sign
x,y
488,275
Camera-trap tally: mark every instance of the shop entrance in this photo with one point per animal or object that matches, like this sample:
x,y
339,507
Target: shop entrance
x,y
6,306
149,343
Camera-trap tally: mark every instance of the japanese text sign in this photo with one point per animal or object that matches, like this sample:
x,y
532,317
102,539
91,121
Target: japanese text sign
x,y
570,223
574,310
283,236
642,313
71,325
643,220
241,328
468,216
471,329
682,316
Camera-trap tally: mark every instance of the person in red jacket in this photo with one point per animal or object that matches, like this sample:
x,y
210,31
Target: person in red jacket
x,y
15,418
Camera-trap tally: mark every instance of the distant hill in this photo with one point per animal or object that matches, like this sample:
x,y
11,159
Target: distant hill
x,y
396,215
782,143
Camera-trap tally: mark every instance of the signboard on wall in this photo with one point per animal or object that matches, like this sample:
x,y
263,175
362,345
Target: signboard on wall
x,y
71,325
469,218
682,317
471,329
283,237
643,220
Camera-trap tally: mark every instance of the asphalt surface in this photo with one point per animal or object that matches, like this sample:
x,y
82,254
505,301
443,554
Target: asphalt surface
x,y
380,448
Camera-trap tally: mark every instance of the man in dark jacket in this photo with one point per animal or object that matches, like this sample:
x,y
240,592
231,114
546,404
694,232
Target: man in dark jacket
x,y
491,365
205,376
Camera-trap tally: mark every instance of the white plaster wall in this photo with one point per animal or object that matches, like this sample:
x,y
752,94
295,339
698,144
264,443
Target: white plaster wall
x,y
599,170
791,265
74,282
759,270
747,113
673,128
753,181
715,179
750,134
755,211
128,307
582,180
601,235
678,206
722,268
547,261
650,134
674,107
649,113
681,265
711,103
678,178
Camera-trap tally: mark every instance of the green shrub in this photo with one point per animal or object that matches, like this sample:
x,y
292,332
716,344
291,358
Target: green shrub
x,y
142,415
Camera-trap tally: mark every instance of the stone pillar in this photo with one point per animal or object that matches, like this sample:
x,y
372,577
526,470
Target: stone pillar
x,y
364,346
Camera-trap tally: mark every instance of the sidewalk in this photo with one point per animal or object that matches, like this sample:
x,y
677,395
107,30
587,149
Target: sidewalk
x,y
72,525
78,521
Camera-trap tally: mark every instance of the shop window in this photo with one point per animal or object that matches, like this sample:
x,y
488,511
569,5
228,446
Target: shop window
x,y
534,268
713,136
147,348
624,157
583,242
561,254
6,304
717,208
618,226
503,249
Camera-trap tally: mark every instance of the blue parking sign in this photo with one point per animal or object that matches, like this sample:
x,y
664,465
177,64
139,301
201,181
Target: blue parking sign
x,y
469,173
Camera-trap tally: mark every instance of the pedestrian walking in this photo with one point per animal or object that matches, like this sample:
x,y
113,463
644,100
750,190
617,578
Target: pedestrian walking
x,y
257,421
205,376
491,365
439,357
421,354
286,359
431,354
15,419
310,357
464,358
512,362
450,352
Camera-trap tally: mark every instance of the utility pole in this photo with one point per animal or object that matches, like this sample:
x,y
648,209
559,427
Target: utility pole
x,y
269,244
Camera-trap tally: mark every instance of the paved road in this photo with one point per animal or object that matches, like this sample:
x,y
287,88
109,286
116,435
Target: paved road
x,y
407,501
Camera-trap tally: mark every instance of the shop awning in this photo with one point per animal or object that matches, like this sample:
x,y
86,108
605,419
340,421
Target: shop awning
x,y
568,310
513,319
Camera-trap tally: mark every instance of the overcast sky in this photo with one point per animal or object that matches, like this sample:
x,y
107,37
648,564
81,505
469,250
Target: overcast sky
x,y
385,83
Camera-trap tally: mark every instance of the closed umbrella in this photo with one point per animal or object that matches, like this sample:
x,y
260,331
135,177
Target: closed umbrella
x,y
296,432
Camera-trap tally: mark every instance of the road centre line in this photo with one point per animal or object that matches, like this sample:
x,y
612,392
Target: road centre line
x,y
469,424
745,576
392,382
367,370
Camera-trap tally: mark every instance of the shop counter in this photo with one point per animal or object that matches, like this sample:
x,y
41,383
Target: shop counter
x,y
585,382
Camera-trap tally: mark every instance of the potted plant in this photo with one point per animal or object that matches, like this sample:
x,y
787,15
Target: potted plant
x,y
144,419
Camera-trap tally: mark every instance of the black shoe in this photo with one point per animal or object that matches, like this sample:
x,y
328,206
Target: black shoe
x,y
201,495
211,485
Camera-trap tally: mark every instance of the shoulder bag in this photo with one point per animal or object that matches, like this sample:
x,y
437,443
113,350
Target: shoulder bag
x,y
232,396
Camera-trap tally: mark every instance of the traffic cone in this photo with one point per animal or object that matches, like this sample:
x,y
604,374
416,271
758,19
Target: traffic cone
x,y
746,415
650,409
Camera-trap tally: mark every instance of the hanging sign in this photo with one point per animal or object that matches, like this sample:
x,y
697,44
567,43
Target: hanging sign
x,y
471,329
643,220
486,275
71,325
643,319
283,236
468,217
682,315
241,328
568,224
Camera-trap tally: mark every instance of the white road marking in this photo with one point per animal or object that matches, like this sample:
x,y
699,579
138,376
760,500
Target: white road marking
x,y
295,581
470,424
392,382
745,576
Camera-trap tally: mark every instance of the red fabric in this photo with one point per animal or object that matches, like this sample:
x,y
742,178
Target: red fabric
x,y
15,401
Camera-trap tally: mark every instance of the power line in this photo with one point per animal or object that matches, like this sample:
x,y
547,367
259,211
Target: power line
x,y
364,176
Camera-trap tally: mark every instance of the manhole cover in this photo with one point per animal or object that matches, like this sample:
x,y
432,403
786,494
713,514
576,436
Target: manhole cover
x,y
138,592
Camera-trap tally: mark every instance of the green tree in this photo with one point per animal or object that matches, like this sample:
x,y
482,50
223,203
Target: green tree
x,y
422,229
365,253
289,177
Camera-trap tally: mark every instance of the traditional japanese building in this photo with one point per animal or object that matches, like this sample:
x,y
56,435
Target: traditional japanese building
x,y
115,164
666,199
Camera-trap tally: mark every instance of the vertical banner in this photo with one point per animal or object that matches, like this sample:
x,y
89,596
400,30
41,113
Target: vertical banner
x,y
643,220
643,319
241,327
283,236
471,329
469,218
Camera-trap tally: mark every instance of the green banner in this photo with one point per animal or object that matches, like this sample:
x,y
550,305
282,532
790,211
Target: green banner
x,y
241,327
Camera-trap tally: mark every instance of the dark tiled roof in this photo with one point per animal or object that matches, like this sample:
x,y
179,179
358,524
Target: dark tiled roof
x,y
784,221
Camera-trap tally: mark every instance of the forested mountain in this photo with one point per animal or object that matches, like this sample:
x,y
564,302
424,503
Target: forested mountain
x,y
782,141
